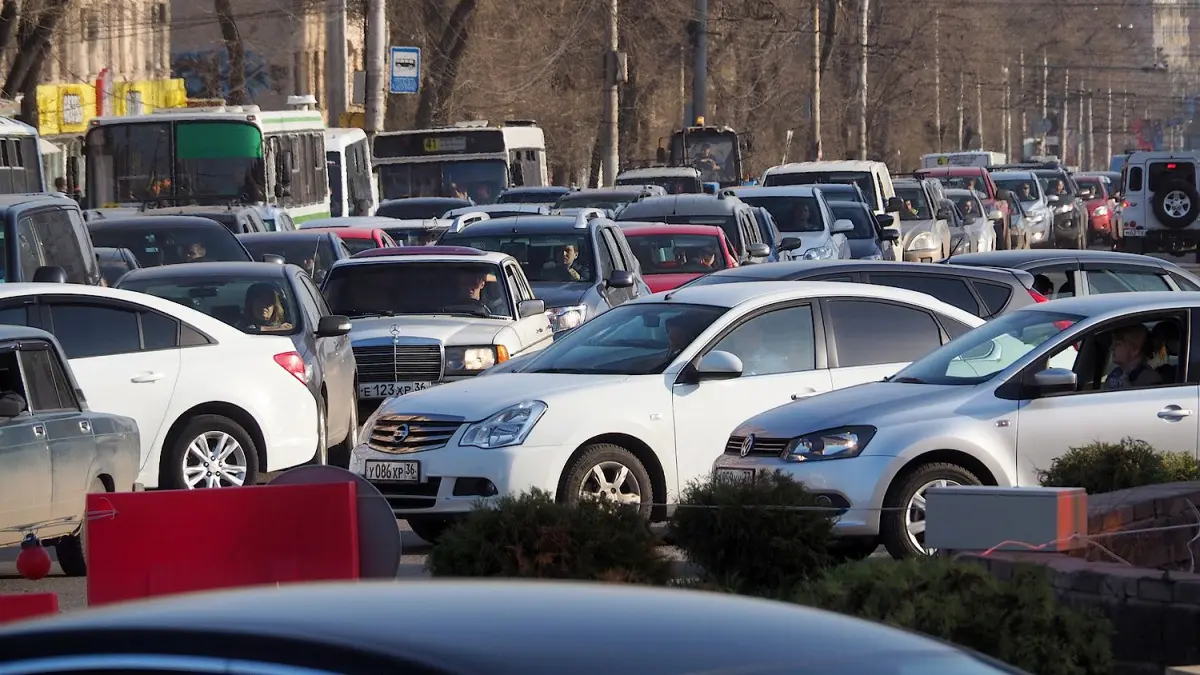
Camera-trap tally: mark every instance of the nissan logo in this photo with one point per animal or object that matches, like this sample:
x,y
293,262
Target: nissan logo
x,y
400,434
747,445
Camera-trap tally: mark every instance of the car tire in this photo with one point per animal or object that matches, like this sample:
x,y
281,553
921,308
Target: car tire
x,y
430,528
1178,190
853,548
625,478
899,504
208,429
321,456
339,455
72,549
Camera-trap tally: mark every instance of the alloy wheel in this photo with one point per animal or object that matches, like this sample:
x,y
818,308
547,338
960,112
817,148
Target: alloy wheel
x,y
214,459
914,514
613,482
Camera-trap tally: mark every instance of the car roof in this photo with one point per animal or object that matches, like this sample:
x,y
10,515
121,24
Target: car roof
x,y
653,171
537,189
766,292
680,205
960,192
1014,173
649,229
346,221
615,190
347,232
823,166
262,270
195,317
8,201
935,171
776,190
790,269
195,208
407,254
529,224
542,627
1033,256
162,220
285,235
450,202
1109,304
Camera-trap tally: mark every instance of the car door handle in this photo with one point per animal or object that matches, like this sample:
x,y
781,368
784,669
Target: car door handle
x,y
1173,412
85,426
146,377
39,430
804,392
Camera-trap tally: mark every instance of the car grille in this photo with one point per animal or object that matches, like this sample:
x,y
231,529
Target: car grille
x,y
399,434
772,447
399,363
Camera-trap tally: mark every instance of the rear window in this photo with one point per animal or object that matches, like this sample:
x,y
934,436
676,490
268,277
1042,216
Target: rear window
x,y
359,244
154,246
251,305
860,178
1163,174
995,296
315,256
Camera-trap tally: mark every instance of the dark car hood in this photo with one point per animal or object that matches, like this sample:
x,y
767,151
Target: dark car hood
x,y
861,248
560,293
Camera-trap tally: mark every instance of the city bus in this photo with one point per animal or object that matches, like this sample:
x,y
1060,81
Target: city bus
x,y
352,187
469,160
273,160
21,158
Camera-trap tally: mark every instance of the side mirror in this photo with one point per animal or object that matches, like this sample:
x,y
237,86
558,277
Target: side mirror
x,y
890,234
660,156
1004,194
759,250
790,243
995,215
885,219
334,325
272,258
50,274
1055,381
1053,199
894,205
718,365
944,214
842,225
619,279
529,308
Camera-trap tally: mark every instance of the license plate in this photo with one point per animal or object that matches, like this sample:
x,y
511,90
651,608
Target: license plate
x,y
390,389
392,472
735,475
1133,232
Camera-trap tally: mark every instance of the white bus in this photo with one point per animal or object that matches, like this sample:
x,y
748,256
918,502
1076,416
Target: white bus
x,y
21,159
470,160
980,158
274,160
352,187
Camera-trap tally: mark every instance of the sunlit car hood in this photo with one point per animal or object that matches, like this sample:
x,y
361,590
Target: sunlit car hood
x,y
452,330
560,293
911,228
477,398
874,404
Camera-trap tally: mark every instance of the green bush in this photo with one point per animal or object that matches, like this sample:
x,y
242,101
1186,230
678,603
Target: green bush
x,y
531,535
1020,621
1105,467
742,538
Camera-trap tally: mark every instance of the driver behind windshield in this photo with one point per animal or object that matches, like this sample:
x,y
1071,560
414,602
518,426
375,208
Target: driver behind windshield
x,y
1058,187
567,266
470,289
264,311
1025,193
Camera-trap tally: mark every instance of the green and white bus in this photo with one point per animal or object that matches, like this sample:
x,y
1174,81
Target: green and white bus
x,y
274,160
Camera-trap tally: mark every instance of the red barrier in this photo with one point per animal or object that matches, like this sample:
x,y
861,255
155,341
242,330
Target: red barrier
x,y
27,606
143,544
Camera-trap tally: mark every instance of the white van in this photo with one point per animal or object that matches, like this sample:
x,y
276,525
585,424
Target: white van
x,y
872,177
353,190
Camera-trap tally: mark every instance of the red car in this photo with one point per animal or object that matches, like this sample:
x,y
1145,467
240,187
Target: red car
x,y
1100,208
672,255
976,178
359,239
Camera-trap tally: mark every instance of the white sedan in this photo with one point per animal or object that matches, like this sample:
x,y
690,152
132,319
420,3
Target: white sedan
x,y
638,401
214,406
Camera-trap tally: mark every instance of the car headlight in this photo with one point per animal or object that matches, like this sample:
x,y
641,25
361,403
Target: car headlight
x,y
1065,208
508,427
1100,211
566,318
840,443
470,359
819,253
923,242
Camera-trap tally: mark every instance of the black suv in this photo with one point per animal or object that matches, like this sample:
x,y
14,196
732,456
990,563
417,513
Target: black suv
x,y
984,292
237,219
47,240
723,210
1070,213
600,274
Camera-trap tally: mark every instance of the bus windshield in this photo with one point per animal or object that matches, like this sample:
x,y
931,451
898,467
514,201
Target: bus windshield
x,y
136,162
714,154
478,179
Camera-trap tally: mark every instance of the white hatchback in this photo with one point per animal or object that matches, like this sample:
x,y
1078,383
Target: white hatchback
x,y
637,402
214,406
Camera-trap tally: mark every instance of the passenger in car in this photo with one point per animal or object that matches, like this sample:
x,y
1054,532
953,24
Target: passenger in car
x,y
1131,369
1165,338
264,309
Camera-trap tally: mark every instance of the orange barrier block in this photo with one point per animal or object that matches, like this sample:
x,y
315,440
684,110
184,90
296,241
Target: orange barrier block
x,y
19,606
144,544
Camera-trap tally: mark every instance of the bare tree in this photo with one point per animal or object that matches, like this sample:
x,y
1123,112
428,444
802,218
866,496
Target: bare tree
x,y
235,50
447,55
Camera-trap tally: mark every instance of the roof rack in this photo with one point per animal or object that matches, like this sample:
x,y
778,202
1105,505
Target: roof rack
x,y
216,201
461,222
586,216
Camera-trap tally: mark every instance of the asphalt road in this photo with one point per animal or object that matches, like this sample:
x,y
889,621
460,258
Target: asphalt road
x,y
72,593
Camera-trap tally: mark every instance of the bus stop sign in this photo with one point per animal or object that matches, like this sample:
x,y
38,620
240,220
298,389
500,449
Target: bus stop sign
x,y
405,70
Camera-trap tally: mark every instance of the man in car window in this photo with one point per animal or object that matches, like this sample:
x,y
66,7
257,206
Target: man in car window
x,y
470,290
1058,187
804,216
706,163
568,267
1129,360
1025,194
707,258
195,252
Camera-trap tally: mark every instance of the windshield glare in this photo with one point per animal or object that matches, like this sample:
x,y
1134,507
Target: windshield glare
x,y
984,352
478,179
864,222
251,305
544,257
791,213
314,256
677,253
916,207
861,179
631,339
1023,188
154,246
392,289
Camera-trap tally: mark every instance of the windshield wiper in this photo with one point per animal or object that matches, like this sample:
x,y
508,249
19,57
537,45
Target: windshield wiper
x,y
905,380
561,371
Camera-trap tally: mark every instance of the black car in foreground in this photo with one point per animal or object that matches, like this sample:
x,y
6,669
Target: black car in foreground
x,y
982,291
167,240
242,295
371,628
314,251
1069,273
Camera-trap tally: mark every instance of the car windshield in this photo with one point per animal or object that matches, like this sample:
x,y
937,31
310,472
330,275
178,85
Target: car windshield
x,y
842,193
154,246
392,289
860,178
864,220
677,253
544,257
791,213
1021,187
416,236
251,305
982,353
972,183
968,205
478,179
314,255
640,338
404,209
595,200
1096,185
528,197
1055,184
359,244
674,185
916,206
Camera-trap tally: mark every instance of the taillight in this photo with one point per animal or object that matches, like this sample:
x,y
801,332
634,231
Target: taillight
x,y
294,364
1037,297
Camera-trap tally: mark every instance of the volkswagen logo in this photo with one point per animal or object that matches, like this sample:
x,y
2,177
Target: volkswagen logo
x,y
400,434
747,445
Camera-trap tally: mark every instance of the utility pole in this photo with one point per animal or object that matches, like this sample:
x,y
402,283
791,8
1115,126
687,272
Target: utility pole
x,y
1080,130
336,68
1108,127
376,65
862,84
612,69
937,75
1007,116
979,110
1091,134
1045,99
1066,116
962,114
816,74
1023,94
699,59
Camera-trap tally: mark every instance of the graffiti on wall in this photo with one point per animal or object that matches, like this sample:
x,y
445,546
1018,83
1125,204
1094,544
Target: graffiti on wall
x,y
205,73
